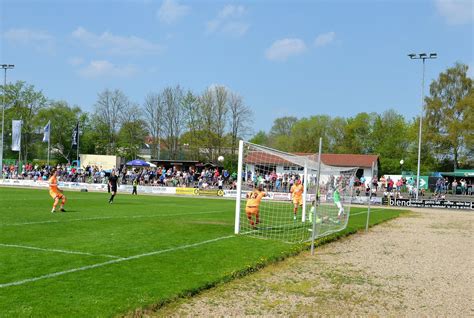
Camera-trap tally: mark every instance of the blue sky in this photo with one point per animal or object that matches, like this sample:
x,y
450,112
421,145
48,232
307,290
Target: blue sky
x,y
297,58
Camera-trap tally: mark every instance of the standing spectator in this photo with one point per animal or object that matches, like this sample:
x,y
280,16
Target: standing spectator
x,y
134,186
454,186
463,186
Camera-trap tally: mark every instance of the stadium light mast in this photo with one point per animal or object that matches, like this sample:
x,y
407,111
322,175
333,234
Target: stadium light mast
x,y
5,67
423,57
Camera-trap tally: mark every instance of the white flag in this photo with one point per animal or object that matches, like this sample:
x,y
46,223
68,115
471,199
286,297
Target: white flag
x,y
47,132
16,135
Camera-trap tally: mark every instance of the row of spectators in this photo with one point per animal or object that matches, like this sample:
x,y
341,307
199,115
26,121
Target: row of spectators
x,y
215,178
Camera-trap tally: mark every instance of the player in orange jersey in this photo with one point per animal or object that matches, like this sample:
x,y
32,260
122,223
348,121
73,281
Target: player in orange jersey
x,y
297,196
253,205
55,192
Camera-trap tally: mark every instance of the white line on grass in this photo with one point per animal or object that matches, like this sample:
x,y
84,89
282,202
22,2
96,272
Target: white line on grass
x,y
365,212
29,280
56,250
107,218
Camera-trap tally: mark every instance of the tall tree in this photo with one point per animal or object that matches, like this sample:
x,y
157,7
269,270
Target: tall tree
x,y
358,134
240,119
192,117
283,126
307,131
220,115
448,115
390,140
173,120
280,133
154,113
109,115
132,133
260,138
63,121
23,102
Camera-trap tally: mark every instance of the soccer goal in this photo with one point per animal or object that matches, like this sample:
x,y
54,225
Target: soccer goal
x,y
277,199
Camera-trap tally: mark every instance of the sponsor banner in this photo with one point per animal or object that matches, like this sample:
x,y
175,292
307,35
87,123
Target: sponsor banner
x,y
365,200
125,188
442,204
146,189
187,191
16,135
230,193
218,193
281,196
160,190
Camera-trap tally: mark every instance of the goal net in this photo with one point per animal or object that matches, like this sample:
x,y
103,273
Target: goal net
x,y
276,195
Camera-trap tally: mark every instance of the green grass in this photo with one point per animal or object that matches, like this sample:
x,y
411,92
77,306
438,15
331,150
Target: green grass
x,y
190,243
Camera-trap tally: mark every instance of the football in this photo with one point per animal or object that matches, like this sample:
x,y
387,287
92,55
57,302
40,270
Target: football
x,y
220,158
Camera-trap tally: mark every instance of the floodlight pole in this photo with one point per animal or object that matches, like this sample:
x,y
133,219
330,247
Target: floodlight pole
x,y
5,67
423,57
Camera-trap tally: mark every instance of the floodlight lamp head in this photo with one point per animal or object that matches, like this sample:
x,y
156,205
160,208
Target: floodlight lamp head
x,y
423,55
433,55
412,55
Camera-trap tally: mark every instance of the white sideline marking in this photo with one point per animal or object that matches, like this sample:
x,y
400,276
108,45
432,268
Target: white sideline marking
x,y
28,280
56,250
372,210
107,217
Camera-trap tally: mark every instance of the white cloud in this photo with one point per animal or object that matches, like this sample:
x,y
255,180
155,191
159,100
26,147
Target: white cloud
x,y
281,50
456,11
324,39
230,20
231,11
39,40
114,44
75,61
104,68
171,11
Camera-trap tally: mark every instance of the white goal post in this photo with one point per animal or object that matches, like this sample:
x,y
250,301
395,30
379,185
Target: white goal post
x,y
276,195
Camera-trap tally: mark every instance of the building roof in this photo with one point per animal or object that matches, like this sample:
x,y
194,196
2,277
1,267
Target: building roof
x,y
338,160
349,160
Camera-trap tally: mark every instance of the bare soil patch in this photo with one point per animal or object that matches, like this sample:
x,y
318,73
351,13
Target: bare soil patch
x,y
420,265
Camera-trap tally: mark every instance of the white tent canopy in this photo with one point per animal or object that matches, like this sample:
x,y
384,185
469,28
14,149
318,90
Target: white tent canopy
x,y
152,165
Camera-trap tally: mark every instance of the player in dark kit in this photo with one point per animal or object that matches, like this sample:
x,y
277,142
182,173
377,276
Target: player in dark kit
x,y
113,185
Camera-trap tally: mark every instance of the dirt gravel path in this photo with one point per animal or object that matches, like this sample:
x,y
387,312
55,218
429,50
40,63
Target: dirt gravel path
x,y
417,265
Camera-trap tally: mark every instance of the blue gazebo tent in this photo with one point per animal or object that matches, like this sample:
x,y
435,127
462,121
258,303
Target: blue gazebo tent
x,y
138,163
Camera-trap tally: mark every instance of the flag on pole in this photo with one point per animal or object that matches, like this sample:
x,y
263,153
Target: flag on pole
x,y
75,136
47,132
16,135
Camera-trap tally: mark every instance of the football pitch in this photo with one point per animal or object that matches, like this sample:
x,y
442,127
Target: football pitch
x,y
102,260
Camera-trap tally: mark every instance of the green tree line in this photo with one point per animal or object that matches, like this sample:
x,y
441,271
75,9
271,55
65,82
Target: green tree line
x,y
175,123
447,130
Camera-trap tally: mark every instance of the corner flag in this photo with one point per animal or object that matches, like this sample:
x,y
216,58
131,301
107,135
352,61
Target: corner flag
x,y
47,132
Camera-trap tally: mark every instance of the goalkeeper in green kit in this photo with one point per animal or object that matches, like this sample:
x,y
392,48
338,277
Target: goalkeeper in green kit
x,y
337,202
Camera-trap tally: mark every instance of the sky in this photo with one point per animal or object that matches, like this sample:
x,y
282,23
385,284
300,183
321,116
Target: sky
x,y
285,58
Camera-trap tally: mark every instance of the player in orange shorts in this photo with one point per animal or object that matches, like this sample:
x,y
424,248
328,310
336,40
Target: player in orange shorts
x,y
55,192
253,204
297,196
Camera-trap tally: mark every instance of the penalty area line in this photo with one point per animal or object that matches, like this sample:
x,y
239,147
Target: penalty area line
x,y
114,261
109,217
56,250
